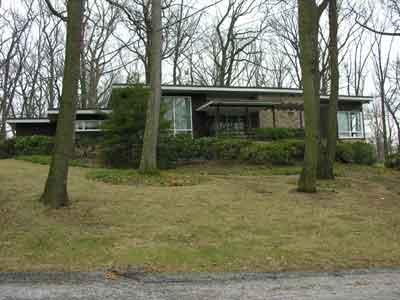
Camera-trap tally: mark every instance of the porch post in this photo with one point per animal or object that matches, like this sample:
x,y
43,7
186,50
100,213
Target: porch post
x,y
273,116
247,121
217,121
301,118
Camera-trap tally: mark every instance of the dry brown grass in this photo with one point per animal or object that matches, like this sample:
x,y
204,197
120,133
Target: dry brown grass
x,y
240,218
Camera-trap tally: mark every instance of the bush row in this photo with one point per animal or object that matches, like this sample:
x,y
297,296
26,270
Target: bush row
x,y
282,152
358,153
172,150
393,161
274,134
7,149
31,145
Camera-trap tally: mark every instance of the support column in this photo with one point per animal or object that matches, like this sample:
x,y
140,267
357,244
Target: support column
x,y
273,117
301,118
247,121
217,121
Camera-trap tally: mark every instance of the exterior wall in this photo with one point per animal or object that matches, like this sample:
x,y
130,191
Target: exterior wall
x,y
201,122
283,118
48,129
295,119
266,118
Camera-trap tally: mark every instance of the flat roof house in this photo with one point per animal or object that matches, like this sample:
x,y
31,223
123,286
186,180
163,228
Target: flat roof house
x,y
209,111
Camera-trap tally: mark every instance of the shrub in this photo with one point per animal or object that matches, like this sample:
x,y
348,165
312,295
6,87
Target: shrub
x,y
277,153
124,127
364,153
86,146
344,153
183,147
393,161
273,134
228,149
358,153
33,145
7,148
117,156
205,147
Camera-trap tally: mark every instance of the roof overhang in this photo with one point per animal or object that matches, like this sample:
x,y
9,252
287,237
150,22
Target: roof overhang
x,y
28,121
245,91
257,104
82,111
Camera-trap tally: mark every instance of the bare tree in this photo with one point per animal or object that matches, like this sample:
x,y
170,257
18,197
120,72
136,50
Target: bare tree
x,y
356,63
309,16
328,143
55,192
227,47
13,54
97,54
392,10
392,99
382,65
183,30
137,18
284,25
148,163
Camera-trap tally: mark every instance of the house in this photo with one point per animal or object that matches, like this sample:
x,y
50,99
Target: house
x,y
209,111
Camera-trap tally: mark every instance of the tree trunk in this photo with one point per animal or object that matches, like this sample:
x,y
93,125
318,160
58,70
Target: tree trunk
x,y
328,143
384,127
148,162
309,59
55,193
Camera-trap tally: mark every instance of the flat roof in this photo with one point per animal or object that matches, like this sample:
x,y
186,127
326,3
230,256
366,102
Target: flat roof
x,y
27,121
244,90
55,111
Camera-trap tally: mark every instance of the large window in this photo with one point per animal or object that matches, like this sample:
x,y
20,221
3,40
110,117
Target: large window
x,y
350,124
87,125
179,112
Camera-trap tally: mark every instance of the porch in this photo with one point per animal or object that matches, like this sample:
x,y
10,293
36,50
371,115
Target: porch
x,y
241,117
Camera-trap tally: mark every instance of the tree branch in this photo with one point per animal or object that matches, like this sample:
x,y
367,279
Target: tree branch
x,y
323,6
378,31
55,12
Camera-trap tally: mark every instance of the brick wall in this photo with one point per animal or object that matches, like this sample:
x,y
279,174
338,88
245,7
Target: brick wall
x,y
283,118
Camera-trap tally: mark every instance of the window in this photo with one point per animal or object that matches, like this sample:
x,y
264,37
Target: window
x,y
179,112
87,125
350,125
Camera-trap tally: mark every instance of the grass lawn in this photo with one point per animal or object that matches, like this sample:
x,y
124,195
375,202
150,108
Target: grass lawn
x,y
206,217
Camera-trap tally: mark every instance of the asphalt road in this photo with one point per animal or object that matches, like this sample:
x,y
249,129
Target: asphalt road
x,y
365,285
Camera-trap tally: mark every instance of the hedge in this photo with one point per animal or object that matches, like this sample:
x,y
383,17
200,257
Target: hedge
x,y
172,150
281,152
7,148
277,153
274,134
358,153
393,161
33,145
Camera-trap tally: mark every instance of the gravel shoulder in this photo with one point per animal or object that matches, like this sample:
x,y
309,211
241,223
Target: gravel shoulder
x,y
382,284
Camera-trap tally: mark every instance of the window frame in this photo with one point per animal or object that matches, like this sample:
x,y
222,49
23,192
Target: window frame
x,y
174,129
84,129
351,132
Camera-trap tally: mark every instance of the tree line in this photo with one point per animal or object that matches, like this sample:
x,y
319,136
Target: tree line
x,y
67,55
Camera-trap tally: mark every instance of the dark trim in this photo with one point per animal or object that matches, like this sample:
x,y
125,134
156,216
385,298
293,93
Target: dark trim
x,y
273,117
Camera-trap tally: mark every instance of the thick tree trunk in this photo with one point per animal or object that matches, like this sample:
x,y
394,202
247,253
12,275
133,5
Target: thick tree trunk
x,y
55,193
148,163
328,144
309,59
